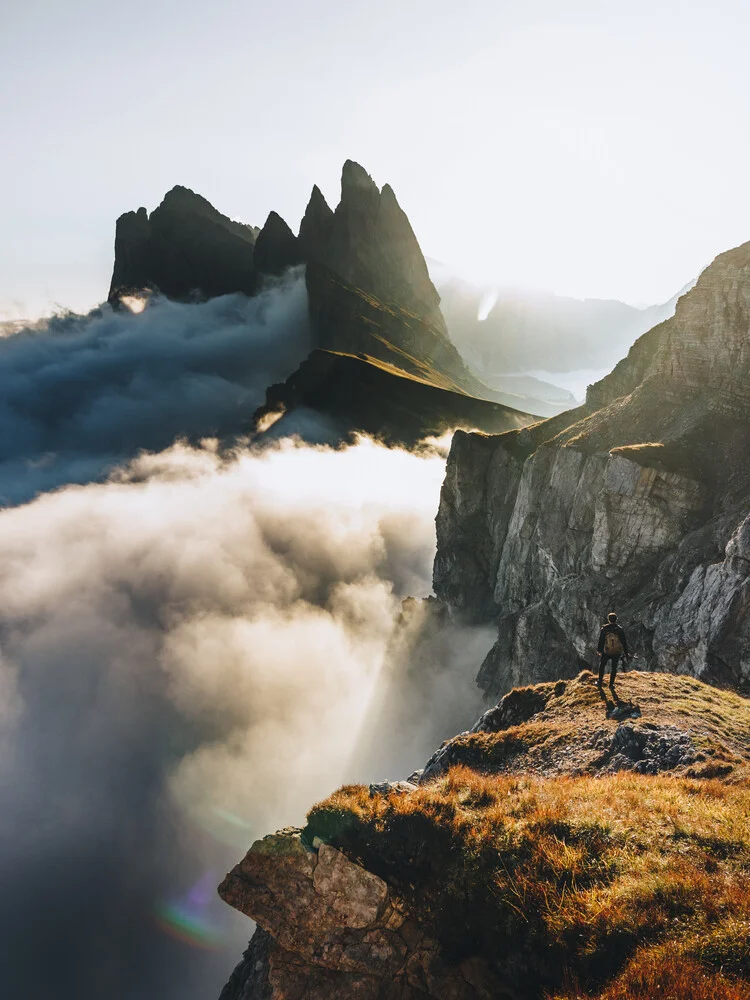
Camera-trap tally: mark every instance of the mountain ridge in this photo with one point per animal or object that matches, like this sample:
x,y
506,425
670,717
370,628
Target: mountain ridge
x,y
635,501
369,296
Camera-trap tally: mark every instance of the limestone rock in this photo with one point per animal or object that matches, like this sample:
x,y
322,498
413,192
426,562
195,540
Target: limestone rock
x,y
369,288
276,248
331,930
645,751
369,243
315,228
574,727
635,502
185,248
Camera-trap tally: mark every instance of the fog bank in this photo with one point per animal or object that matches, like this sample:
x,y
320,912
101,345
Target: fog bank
x,y
189,653
80,394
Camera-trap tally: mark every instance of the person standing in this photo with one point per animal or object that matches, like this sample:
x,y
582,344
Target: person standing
x,y
612,645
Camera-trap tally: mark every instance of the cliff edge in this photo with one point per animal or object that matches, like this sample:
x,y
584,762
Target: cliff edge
x,y
573,844
635,502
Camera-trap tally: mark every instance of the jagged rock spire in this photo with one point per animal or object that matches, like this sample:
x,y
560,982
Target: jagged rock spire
x,y
276,248
186,247
315,227
356,181
369,242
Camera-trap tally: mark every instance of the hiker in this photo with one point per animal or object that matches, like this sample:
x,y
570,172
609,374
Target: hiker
x,y
612,645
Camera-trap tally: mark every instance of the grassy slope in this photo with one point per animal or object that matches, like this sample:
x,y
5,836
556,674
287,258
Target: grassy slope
x,y
566,727
374,396
611,886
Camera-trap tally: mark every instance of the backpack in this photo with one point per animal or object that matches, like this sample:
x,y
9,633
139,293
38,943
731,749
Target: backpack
x,y
613,644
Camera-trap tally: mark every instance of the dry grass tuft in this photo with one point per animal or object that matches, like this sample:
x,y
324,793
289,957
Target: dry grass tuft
x,y
570,731
674,976
622,885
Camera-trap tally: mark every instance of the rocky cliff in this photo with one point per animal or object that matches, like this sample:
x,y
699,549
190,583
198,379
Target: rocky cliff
x,y
369,295
571,844
369,289
369,243
184,249
637,501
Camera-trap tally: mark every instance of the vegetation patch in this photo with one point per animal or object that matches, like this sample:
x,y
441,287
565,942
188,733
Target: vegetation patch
x,y
595,882
571,882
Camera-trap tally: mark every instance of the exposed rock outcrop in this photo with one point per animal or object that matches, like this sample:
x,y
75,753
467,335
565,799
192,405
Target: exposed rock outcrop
x,y
636,501
276,248
485,876
572,727
369,294
332,930
369,243
369,288
184,249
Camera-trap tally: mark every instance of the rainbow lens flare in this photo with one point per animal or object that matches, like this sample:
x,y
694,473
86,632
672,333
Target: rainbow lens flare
x,y
187,918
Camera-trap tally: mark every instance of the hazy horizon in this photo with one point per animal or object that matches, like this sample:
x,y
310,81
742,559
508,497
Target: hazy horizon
x,y
588,152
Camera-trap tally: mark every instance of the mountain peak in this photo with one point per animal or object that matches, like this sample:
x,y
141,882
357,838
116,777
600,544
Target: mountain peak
x,y
355,178
316,223
185,199
186,247
276,247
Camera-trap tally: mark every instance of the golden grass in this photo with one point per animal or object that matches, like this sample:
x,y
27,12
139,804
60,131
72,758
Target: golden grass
x,y
575,711
654,973
568,880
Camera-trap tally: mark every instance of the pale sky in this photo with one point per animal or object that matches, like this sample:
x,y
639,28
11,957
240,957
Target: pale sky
x,y
592,148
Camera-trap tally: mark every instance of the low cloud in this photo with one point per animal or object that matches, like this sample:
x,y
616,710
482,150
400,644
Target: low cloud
x,y
190,655
198,639
80,394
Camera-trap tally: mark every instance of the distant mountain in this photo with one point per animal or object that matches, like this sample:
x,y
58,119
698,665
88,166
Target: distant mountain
x,y
522,331
184,249
637,501
370,298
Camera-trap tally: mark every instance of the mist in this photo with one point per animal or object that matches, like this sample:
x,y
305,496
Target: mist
x,y
190,652
200,635
81,394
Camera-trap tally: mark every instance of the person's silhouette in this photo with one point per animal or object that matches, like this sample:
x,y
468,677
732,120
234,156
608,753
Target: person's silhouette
x,y
612,645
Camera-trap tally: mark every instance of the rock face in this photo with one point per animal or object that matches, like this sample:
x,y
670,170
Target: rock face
x,y
276,248
368,242
635,502
330,929
184,249
368,286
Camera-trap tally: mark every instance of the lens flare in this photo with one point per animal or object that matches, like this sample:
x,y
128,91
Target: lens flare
x,y
486,304
187,919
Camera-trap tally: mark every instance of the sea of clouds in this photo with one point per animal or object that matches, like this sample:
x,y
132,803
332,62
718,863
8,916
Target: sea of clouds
x,y
197,641
81,394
